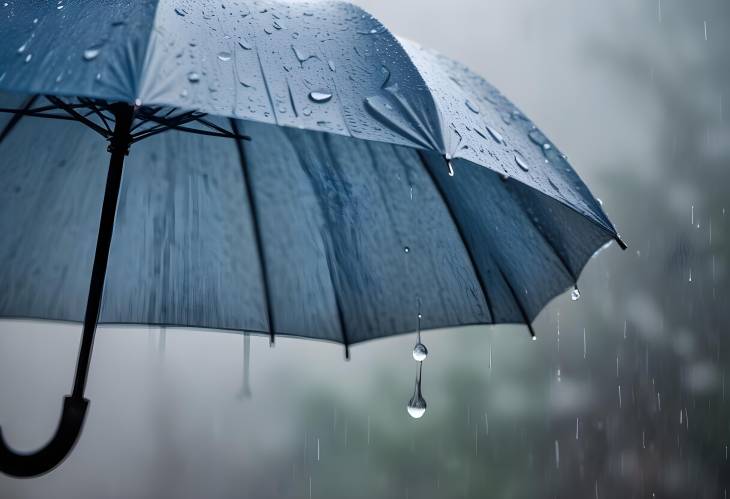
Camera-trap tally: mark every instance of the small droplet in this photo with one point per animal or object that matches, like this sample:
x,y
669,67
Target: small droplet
x,y
244,45
521,162
28,57
91,54
224,56
193,77
22,48
319,97
575,294
180,12
406,249
495,135
420,352
472,107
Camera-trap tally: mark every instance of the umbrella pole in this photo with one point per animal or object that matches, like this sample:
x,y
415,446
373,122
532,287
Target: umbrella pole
x,y
75,405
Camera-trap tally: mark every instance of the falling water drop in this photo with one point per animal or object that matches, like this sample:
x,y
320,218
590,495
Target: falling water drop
x,y
575,294
319,97
420,352
417,405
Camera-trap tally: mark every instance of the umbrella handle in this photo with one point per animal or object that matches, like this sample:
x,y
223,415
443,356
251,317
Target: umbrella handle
x,y
48,457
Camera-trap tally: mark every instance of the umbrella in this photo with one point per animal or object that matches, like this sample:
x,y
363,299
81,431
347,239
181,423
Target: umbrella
x,y
273,167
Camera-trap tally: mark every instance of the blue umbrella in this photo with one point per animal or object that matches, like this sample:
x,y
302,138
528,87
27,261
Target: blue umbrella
x,y
273,167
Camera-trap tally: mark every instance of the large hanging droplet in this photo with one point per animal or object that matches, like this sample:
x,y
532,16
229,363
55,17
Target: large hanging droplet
x,y
575,294
417,405
420,352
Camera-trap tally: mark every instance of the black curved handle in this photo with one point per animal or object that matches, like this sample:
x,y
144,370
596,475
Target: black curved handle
x,y
46,458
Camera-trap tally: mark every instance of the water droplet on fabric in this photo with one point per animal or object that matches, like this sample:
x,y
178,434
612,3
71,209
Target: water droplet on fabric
x,y
472,107
91,54
224,56
520,160
193,77
180,12
319,97
495,135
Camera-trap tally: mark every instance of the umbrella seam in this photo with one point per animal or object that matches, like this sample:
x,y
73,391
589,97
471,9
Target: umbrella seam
x,y
250,197
517,301
547,240
477,273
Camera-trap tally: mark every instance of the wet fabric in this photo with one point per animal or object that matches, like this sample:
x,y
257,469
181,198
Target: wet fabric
x,y
338,220
356,237
323,66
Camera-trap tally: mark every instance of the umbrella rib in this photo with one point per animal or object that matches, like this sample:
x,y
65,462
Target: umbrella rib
x,y
16,117
457,225
70,110
256,228
338,305
549,242
517,301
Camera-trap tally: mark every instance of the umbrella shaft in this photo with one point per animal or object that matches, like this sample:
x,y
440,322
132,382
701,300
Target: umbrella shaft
x,y
119,146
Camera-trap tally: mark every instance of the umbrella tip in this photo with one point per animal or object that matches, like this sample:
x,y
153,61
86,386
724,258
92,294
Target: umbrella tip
x,y
620,241
347,352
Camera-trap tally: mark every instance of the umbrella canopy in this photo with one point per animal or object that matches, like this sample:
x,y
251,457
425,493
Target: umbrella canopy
x,y
293,168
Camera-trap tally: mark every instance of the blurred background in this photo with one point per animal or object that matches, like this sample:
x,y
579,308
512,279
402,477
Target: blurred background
x,y
624,393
